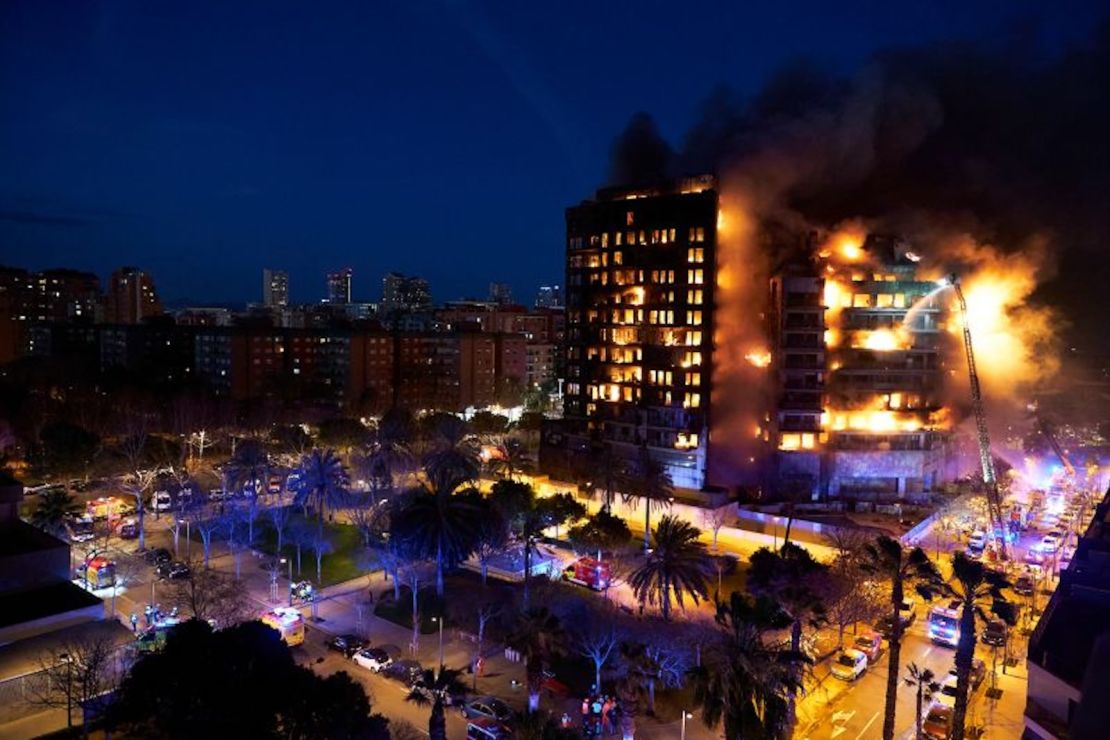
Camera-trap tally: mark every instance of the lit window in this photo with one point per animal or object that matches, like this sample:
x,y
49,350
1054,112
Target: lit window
x,y
693,318
700,235
672,232
693,338
629,218
618,257
695,255
861,300
643,237
692,400
790,441
899,300
694,277
605,239
884,300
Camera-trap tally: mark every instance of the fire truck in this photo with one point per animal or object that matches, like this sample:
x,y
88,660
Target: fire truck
x,y
98,571
108,507
288,622
589,573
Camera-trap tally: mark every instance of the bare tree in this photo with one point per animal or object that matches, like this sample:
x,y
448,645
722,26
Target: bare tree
x,y
850,542
715,519
597,642
321,545
412,574
137,481
207,525
212,596
478,616
279,517
301,534
847,601
128,570
77,673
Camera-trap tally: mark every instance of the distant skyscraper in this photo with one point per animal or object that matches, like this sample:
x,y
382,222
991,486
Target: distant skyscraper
x,y
275,288
549,296
339,286
501,293
131,297
402,293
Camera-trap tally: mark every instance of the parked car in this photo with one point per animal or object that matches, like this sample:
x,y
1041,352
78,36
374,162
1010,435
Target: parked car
x,y
995,633
870,644
174,570
978,673
406,671
216,494
976,542
157,556
487,706
849,664
1024,585
946,697
346,644
937,724
129,528
373,659
161,501
907,614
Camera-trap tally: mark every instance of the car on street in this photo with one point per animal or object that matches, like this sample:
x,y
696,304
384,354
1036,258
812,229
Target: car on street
x,y
174,570
977,541
995,633
373,659
937,724
1033,556
407,671
216,494
946,697
978,673
346,644
487,706
849,664
1050,542
1024,585
157,556
870,644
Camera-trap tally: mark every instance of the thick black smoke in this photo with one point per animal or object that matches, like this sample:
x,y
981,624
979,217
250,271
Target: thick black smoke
x,y
1000,142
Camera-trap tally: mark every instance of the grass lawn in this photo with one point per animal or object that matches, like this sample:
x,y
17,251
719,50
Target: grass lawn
x,y
345,561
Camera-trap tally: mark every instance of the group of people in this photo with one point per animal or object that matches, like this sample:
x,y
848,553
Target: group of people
x,y
603,716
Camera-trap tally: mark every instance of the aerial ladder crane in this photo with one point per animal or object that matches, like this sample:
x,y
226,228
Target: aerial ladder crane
x,y
1046,430
986,461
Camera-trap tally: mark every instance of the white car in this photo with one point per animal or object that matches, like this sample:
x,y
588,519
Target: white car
x,y
977,540
161,501
373,659
849,664
1050,542
946,697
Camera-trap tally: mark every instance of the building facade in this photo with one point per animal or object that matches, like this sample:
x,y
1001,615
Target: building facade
x,y
339,286
275,288
131,297
404,294
639,325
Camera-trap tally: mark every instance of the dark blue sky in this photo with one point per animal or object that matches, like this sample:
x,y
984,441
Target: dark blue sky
x,y
204,140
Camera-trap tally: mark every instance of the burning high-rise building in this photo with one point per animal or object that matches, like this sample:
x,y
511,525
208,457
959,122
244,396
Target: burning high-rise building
x,y
857,371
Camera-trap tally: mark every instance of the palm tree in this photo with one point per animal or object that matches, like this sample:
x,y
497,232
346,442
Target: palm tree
x,y
54,506
437,525
453,459
323,482
250,463
796,582
509,461
747,680
647,479
972,584
679,564
433,688
539,637
885,558
924,681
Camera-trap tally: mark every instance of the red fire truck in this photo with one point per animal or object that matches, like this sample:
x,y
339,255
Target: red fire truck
x,y
589,573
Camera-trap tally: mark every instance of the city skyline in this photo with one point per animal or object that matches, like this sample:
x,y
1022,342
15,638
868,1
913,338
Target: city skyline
x,y
248,210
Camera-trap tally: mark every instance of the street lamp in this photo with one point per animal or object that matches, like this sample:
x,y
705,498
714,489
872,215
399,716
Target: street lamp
x,y
685,715
440,620
290,562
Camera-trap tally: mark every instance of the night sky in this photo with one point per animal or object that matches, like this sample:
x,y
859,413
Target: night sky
x,y
203,141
